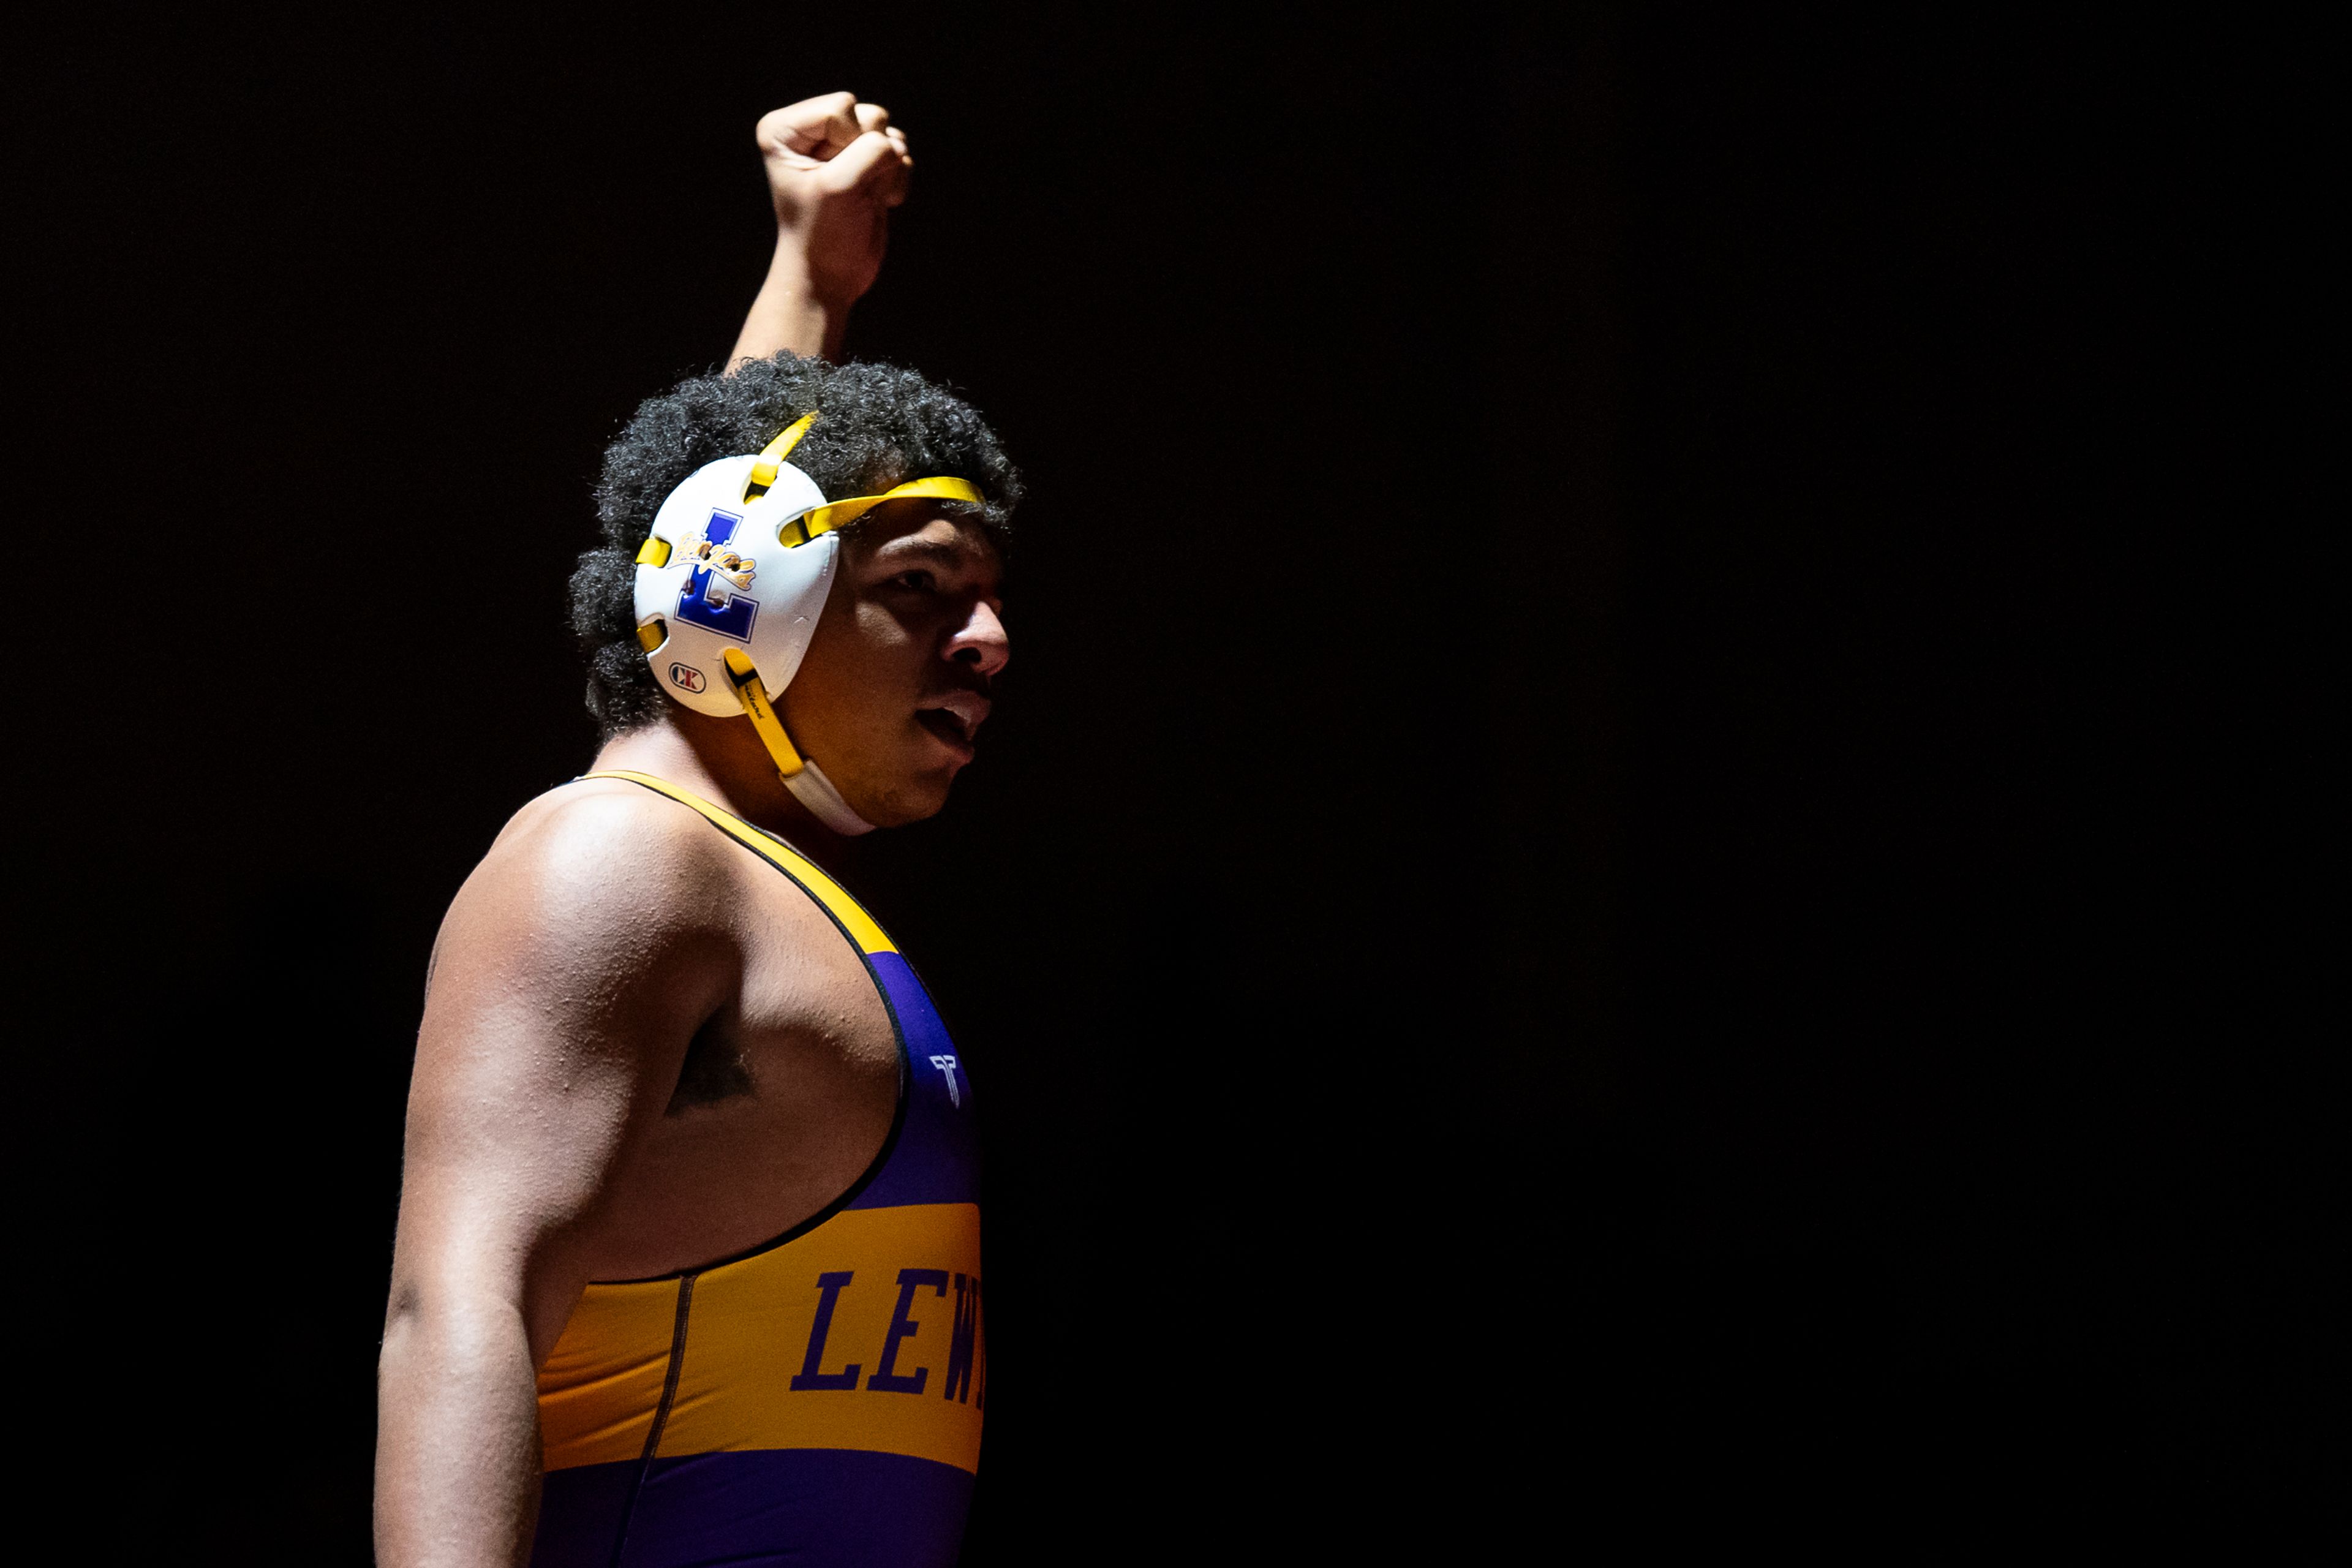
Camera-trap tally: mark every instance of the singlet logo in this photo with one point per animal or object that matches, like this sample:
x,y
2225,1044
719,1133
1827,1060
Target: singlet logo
x,y
706,601
687,678
966,1355
948,1066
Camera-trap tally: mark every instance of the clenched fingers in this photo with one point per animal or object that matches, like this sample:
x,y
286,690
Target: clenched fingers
x,y
813,131
872,162
873,117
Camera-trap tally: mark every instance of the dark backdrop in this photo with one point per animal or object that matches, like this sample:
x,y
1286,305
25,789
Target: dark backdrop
x,y
1599,901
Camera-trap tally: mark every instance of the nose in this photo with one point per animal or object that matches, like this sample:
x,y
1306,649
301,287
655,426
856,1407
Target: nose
x,y
981,642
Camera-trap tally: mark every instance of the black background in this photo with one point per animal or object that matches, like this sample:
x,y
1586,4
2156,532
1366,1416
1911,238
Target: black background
x,y
1623,883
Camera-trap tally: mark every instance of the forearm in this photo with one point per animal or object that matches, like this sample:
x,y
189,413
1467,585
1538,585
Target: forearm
x,y
789,313
457,1456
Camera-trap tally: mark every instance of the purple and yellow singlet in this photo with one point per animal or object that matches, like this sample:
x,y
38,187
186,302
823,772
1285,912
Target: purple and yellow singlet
x,y
816,1400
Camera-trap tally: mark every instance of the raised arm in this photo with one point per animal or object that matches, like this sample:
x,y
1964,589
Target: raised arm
x,y
836,168
547,1049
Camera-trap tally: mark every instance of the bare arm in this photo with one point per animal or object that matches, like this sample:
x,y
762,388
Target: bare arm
x,y
567,985
836,168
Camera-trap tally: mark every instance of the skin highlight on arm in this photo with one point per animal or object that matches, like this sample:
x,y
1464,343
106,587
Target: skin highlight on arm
x,y
570,979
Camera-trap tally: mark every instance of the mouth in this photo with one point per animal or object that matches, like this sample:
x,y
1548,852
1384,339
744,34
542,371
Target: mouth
x,y
953,718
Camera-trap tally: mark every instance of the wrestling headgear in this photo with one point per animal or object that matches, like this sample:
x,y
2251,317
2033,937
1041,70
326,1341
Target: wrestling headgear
x,y
729,585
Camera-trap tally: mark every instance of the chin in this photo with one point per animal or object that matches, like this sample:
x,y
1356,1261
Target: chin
x,y
913,801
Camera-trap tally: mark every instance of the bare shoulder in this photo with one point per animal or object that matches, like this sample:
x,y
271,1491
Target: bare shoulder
x,y
594,877
602,828
604,867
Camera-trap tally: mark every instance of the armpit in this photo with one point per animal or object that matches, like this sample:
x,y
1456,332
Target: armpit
x,y
714,1070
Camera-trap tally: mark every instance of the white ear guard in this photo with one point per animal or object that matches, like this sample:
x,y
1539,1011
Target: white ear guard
x,y
730,582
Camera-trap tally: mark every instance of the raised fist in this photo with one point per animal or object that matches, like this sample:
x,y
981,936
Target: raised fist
x,y
836,168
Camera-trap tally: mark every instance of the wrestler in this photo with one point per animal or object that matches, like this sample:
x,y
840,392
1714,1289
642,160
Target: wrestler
x,y
688,1265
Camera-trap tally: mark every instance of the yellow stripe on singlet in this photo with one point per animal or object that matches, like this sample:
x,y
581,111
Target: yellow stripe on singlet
x,y
861,926
740,1378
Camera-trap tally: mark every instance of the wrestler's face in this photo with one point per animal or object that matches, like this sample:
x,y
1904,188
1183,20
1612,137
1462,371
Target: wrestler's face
x,y
894,683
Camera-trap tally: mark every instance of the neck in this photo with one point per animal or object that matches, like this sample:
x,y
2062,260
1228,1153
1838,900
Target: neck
x,y
722,761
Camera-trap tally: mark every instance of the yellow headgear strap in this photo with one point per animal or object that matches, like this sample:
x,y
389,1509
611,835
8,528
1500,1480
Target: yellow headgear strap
x,y
771,455
842,513
754,695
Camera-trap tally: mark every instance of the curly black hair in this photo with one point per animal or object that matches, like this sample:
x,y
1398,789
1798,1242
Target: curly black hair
x,y
877,426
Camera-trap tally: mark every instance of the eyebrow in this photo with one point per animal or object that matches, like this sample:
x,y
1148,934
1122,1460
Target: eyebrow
x,y
959,557
927,550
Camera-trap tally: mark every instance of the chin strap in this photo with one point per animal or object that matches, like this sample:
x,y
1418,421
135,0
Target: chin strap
x,y
803,778
814,790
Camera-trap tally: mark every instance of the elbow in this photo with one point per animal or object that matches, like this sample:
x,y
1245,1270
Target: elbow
x,y
421,1311
401,1309
462,1317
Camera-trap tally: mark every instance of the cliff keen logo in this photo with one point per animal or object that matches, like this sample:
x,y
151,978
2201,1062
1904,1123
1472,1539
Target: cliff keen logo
x,y
948,1066
686,678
